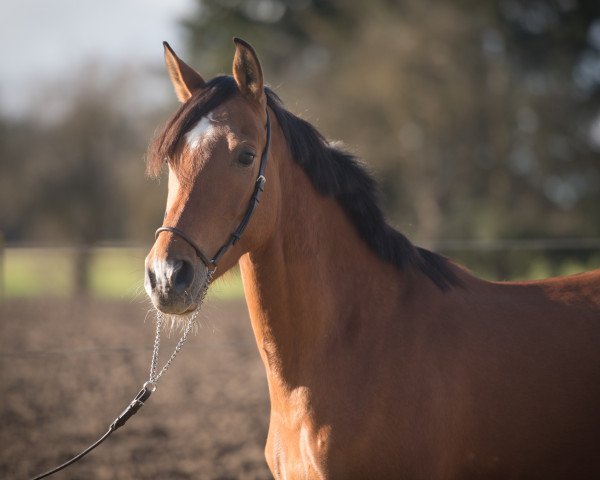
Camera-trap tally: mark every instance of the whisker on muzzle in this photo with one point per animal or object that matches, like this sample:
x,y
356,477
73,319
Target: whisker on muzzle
x,y
173,323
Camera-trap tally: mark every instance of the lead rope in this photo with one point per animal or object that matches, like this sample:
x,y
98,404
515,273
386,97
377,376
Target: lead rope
x,y
148,387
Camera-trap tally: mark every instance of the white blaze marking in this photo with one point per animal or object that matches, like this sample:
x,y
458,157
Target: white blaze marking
x,y
205,128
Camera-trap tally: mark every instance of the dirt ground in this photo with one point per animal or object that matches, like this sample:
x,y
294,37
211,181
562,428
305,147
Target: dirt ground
x,y
69,368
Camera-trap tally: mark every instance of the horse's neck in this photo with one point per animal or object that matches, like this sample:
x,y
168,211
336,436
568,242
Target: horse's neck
x,y
307,286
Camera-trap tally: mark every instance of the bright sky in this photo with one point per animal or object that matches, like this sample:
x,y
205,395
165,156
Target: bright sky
x,y
41,39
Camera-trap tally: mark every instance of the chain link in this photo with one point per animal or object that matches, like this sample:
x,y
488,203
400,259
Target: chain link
x,y
154,363
153,380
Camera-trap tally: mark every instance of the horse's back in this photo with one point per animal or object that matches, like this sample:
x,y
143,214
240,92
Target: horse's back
x,y
532,365
487,380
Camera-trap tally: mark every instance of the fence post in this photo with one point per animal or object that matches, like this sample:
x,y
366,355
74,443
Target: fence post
x,y
1,266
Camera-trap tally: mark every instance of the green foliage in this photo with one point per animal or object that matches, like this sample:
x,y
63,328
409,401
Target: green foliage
x,y
523,264
481,119
476,115
280,29
76,176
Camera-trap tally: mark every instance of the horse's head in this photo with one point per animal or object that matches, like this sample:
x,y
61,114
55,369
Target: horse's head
x,y
216,148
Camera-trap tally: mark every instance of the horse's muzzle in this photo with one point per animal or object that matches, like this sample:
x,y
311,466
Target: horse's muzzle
x,y
171,284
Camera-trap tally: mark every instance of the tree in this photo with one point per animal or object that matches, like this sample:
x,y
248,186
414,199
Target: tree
x,y
75,174
475,115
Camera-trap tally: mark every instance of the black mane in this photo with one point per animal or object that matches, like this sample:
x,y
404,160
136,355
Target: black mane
x,y
332,171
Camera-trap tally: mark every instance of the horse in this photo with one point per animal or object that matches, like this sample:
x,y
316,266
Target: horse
x,y
383,359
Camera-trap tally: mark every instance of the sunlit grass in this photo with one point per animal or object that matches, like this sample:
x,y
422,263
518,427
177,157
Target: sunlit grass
x,y
115,273
228,287
118,273
32,272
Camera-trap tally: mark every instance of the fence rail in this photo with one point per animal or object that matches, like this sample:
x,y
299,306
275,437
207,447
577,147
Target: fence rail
x,y
115,269
542,244
121,265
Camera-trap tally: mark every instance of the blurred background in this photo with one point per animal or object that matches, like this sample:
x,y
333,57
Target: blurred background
x,y
480,119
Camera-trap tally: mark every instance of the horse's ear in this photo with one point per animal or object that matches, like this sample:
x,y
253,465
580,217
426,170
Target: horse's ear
x,y
184,78
246,70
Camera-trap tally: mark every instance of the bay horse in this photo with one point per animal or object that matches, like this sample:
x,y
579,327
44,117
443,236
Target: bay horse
x,y
383,359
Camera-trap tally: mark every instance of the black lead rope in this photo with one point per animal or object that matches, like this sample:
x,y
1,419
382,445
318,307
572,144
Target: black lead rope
x,y
211,264
147,388
131,410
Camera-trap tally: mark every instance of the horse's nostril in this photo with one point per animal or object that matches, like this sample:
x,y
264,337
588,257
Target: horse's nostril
x,y
151,278
183,276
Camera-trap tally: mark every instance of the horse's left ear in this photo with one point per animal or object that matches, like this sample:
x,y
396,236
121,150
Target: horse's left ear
x,y
246,70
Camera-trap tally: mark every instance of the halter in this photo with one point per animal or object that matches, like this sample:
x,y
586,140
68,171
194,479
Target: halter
x,y
211,263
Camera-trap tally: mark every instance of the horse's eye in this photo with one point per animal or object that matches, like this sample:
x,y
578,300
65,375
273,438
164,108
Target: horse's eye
x,y
246,157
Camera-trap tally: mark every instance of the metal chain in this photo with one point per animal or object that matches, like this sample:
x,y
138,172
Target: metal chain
x,y
148,387
153,376
154,363
153,379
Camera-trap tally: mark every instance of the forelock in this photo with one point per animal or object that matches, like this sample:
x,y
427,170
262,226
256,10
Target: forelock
x,y
165,143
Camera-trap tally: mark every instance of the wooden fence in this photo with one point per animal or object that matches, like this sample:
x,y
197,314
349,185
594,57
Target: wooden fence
x,y
116,270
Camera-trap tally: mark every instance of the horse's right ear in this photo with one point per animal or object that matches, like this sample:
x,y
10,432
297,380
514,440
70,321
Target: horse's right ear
x,y
184,78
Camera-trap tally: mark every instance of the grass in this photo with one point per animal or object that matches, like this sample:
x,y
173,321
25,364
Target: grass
x,y
33,272
115,273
